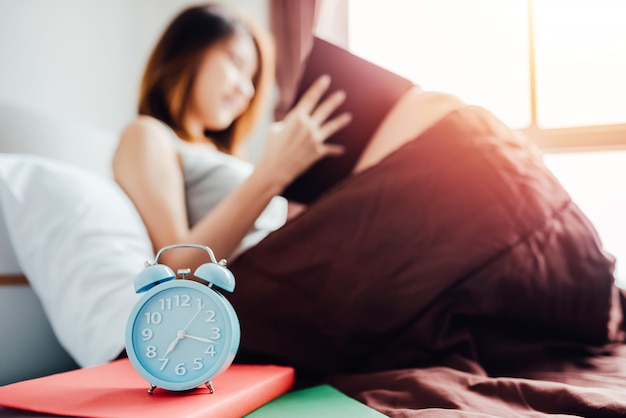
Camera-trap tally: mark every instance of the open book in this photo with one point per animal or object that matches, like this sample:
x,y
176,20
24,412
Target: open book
x,y
371,92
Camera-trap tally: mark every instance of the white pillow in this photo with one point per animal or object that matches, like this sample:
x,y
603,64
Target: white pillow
x,y
80,242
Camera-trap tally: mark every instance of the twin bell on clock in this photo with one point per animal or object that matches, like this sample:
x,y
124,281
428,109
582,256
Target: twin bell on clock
x,y
182,332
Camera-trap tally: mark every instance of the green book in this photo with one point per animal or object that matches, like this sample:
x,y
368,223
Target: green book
x,y
314,402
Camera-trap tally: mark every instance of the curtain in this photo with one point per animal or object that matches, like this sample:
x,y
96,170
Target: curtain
x,y
292,23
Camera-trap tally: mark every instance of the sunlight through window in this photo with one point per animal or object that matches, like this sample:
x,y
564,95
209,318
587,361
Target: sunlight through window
x,y
479,50
580,48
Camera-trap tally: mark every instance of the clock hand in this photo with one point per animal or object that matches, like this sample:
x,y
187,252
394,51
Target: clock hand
x,y
171,347
204,340
192,319
179,336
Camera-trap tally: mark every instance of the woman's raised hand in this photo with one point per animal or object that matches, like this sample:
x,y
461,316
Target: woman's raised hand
x,y
298,141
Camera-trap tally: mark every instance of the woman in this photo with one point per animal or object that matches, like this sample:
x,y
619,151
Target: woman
x,y
449,234
202,91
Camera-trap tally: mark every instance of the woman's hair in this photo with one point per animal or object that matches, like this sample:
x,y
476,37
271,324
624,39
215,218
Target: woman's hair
x,y
171,71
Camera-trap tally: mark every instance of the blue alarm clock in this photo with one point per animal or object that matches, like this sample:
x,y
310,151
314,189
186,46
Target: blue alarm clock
x,y
182,332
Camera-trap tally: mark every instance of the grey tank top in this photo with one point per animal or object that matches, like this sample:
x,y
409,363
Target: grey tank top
x,y
210,176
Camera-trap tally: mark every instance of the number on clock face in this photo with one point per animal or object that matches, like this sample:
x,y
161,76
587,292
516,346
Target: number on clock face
x,y
180,333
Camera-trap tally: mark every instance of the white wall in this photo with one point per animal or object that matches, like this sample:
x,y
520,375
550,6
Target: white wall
x,y
83,59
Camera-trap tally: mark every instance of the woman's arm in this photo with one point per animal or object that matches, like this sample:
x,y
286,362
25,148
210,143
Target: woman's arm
x,y
148,168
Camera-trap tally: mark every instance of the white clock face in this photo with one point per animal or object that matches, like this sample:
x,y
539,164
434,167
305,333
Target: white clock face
x,y
182,335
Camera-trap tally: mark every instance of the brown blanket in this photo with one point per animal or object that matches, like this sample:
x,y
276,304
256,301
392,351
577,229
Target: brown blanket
x,y
455,276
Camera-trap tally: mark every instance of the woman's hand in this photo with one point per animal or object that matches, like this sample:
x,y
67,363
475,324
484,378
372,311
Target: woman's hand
x,y
299,140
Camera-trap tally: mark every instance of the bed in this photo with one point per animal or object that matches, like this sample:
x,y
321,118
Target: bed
x,y
497,299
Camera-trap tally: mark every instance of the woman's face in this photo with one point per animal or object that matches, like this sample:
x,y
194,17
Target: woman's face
x,y
223,86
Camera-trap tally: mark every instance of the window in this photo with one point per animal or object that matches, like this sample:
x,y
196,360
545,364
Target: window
x,y
554,68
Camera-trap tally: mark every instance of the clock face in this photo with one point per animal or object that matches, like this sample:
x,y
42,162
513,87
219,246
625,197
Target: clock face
x,y
181,333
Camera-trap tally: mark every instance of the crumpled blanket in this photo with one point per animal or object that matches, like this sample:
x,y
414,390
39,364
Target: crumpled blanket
x,y
457,276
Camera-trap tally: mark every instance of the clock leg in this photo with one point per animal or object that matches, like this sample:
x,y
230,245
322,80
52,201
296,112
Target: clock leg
x,y
152,387
209,384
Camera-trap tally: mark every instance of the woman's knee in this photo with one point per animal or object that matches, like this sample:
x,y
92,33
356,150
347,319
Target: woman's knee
x,y
422,108
416,111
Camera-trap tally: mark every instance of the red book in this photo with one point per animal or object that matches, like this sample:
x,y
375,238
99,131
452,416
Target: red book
x,y
116,390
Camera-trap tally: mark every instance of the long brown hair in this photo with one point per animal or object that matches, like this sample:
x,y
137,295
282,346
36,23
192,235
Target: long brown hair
x,y
171,70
